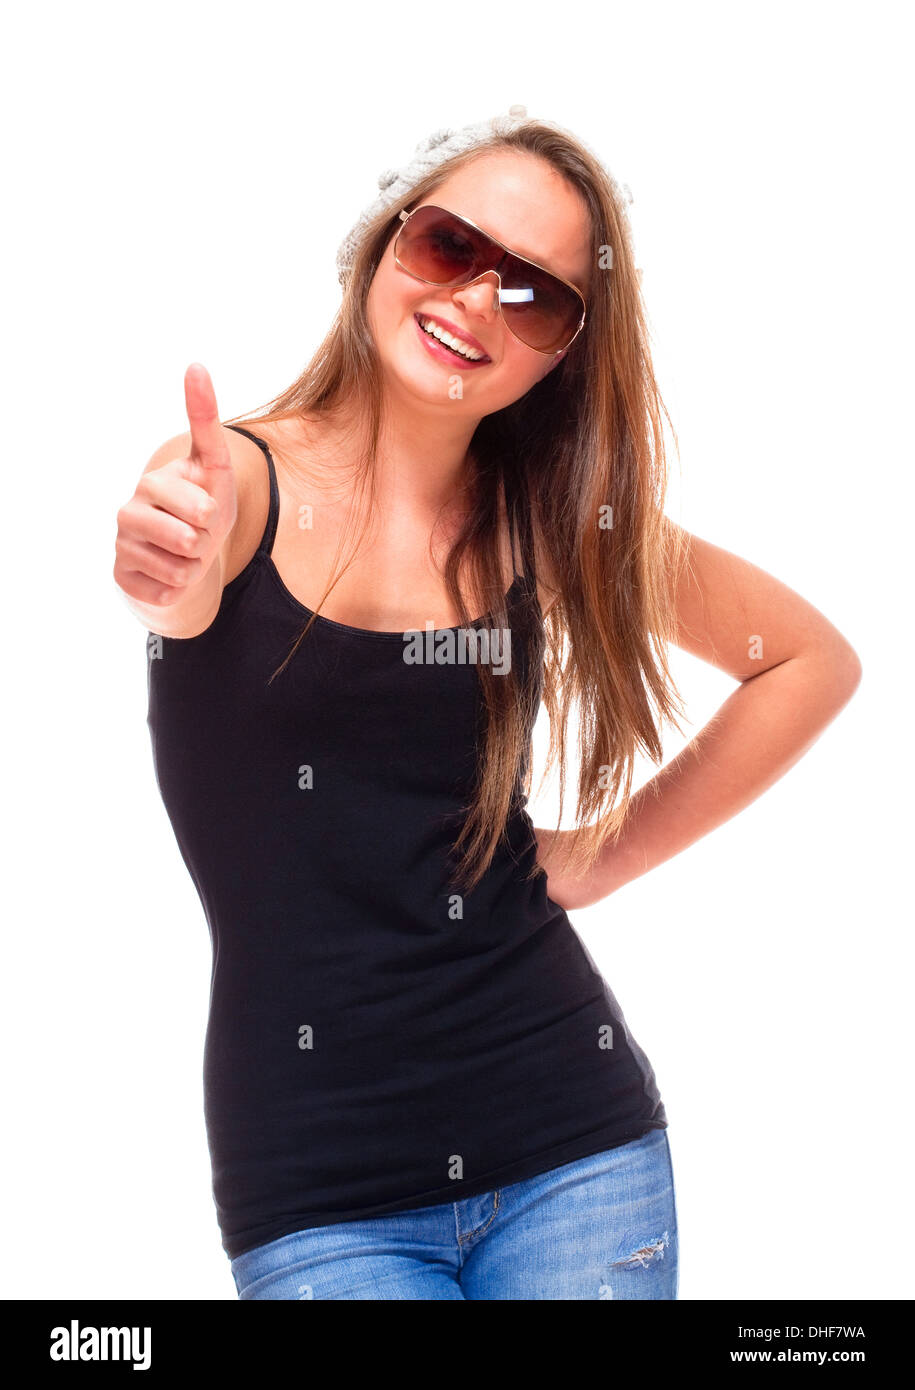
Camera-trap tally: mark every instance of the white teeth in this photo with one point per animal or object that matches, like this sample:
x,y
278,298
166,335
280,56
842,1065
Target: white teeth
x,y
432,328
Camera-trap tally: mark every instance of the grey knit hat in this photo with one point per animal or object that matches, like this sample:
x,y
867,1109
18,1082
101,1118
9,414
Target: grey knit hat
x,y
438,147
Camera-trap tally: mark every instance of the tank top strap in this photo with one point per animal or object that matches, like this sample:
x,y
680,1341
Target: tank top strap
x,y
519,521
273,512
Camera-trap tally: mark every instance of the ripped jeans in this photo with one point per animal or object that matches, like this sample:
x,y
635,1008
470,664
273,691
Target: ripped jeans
x,y
601,1227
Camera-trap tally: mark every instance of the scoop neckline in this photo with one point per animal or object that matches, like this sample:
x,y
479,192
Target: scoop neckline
x,y
369,631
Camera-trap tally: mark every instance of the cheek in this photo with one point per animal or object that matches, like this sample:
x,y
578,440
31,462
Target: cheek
x,y
388,300
522,366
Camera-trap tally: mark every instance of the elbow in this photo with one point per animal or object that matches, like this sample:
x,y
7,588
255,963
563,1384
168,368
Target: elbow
x,y
845,669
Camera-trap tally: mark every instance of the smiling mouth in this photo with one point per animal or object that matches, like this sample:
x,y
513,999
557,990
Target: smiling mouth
x,y
465,353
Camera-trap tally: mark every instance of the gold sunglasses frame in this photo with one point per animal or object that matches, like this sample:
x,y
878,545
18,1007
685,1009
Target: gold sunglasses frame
x,y
552,352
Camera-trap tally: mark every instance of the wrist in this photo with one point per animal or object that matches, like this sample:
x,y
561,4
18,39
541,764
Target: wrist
x,y
565,887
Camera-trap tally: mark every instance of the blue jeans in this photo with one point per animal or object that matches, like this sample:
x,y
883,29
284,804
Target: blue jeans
x,y
601,1227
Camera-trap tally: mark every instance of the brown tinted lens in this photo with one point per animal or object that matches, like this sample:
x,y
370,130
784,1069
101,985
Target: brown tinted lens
x,y
542,310
437,246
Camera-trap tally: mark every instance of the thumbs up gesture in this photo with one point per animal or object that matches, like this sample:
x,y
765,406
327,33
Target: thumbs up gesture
x,y
172,530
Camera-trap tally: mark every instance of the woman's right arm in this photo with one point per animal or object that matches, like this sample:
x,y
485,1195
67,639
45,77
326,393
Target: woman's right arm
x,y
173,534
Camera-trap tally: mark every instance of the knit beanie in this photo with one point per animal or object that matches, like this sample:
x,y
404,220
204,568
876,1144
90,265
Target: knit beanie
x,y
438,147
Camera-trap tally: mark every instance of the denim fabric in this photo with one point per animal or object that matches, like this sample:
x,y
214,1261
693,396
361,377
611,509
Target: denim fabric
x,y
604,1226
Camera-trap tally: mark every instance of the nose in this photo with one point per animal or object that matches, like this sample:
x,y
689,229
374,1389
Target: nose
x,y
481,297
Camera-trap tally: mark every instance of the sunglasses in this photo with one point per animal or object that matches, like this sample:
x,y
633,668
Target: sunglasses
x,y
441,248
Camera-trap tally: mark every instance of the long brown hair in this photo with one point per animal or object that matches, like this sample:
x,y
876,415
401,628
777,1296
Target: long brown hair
x,y
580,461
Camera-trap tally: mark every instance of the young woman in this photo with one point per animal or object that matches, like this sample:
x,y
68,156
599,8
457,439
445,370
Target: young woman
x,y
417,1083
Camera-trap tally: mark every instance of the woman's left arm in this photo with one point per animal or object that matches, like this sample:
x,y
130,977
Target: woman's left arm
x,y
796,672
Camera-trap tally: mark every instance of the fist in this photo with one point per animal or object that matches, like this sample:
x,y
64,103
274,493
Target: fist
x,y
172,529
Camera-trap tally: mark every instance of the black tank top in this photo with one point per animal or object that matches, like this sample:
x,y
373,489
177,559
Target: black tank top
x,y
373,1043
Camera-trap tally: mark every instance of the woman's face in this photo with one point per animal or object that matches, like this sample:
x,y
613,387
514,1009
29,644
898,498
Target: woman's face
x,y
523,202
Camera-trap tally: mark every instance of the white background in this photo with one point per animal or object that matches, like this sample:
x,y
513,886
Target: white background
x,y
179,178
